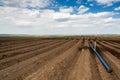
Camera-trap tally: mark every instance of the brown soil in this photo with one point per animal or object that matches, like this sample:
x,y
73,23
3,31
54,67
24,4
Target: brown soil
x,y
65,58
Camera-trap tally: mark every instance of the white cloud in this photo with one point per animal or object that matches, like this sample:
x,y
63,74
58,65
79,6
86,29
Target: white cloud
x,y
117,9
91,4
82,9
26,3
107,2
19,20
66,10
89,0
78,1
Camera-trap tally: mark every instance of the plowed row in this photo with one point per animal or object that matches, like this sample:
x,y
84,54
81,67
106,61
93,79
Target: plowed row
x,y
58,59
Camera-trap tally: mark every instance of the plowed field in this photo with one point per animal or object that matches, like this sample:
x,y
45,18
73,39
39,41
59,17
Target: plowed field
x,y
66,58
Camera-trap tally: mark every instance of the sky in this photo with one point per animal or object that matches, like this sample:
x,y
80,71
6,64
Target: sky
x,y
60,17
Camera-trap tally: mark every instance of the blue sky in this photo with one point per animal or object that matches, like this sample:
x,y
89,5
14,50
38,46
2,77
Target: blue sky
x,y
59,17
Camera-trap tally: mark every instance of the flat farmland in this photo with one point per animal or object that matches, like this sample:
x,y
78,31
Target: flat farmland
x,y
62,58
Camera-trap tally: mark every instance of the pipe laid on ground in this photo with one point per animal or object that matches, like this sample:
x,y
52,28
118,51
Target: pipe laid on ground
x,y
101,59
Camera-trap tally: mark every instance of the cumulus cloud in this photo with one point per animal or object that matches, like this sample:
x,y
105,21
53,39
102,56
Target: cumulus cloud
x,y
19,20
117,9
26,3
82,9
107,2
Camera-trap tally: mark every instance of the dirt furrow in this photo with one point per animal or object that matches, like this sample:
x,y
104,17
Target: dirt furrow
x,y
13,45
56,68
115,42
64,58
24,50
118,44
114,64
103,73
94,67
7,42
13,60
82,70
114,51
24,45
113,45
110,47
111,61
21,70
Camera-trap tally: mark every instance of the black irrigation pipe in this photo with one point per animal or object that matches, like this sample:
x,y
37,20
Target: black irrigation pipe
x,y
100,58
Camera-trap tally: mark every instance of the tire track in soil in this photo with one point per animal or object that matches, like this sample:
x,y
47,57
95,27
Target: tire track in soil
x,y
21,70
